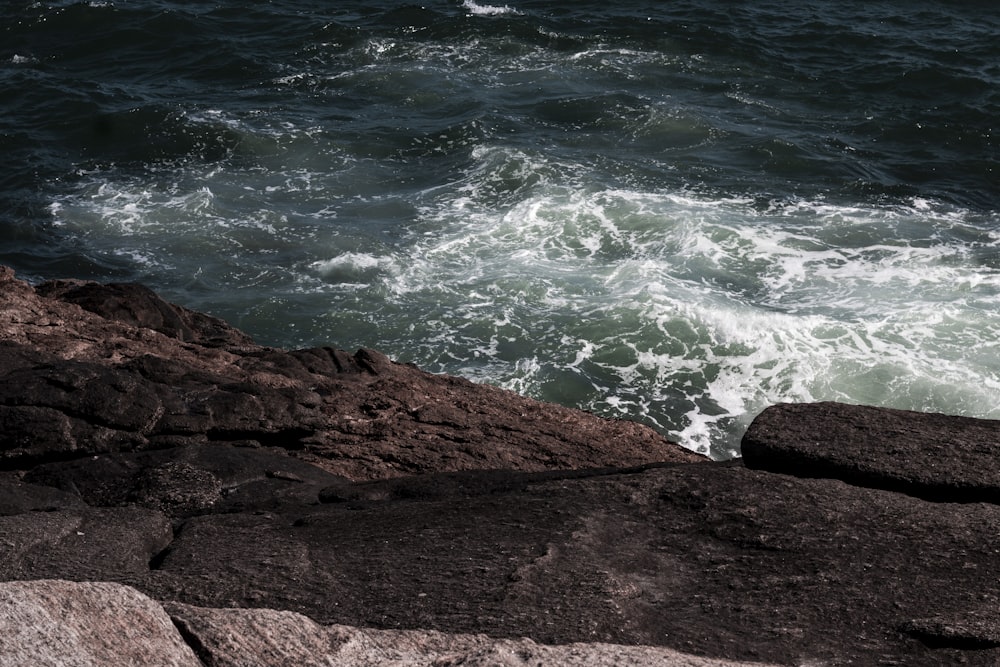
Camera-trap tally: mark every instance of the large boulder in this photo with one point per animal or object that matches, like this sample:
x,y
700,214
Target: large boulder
x,y
933,456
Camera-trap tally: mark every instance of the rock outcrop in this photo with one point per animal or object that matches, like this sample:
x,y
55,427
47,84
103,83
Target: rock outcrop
x,y
85,625
95,624
365,510
106,369
937,457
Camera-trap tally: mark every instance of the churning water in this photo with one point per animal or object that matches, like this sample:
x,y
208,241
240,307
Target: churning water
x,y
677,213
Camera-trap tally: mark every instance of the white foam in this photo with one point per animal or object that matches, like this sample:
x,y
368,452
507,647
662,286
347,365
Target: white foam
x,y
725,308
488,10
686,311
590,53
352,267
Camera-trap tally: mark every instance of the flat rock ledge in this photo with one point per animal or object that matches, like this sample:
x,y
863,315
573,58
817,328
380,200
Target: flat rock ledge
x,y
172,493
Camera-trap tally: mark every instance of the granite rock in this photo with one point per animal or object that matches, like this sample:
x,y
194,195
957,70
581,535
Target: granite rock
x,y
241,637
86,625
96,624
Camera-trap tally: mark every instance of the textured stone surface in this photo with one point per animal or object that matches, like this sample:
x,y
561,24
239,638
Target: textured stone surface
x,y
148,445
82,544
934,456
237,637
969,630
186,480
17,497
710,559
715,560
86,625
94,624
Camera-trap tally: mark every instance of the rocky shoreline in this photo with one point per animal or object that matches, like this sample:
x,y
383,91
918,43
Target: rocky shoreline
x,y
172,493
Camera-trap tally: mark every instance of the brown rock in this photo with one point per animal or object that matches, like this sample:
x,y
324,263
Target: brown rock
x,y
710,559
448,507
968,630
186,480
81,544
93,369
17,497
139,306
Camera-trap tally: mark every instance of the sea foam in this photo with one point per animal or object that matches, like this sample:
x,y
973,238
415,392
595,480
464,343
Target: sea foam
x,y
666,218
476,9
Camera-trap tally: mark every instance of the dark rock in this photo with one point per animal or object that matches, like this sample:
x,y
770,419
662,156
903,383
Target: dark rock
x,y
17,497
937,457
94,369
457,485
357,491
176,488
187,480
712,559
82,544
99,481
967,630
140,306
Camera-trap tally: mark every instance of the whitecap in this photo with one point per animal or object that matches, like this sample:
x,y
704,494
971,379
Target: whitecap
x,y
476,9
699,311
351,267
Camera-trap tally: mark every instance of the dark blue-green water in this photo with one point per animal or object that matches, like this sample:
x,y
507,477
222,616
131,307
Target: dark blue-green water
x,y
672,212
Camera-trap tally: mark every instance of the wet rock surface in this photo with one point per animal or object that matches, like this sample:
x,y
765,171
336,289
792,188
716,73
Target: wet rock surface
x,y
247,488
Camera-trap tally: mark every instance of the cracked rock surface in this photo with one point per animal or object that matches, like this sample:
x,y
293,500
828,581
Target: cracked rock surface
x,y
319,507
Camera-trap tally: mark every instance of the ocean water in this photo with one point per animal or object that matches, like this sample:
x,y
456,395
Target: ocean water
x,y
672,212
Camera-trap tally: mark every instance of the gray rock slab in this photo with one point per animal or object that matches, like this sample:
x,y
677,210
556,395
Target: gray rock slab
x,y
241,637
96,624
100,624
